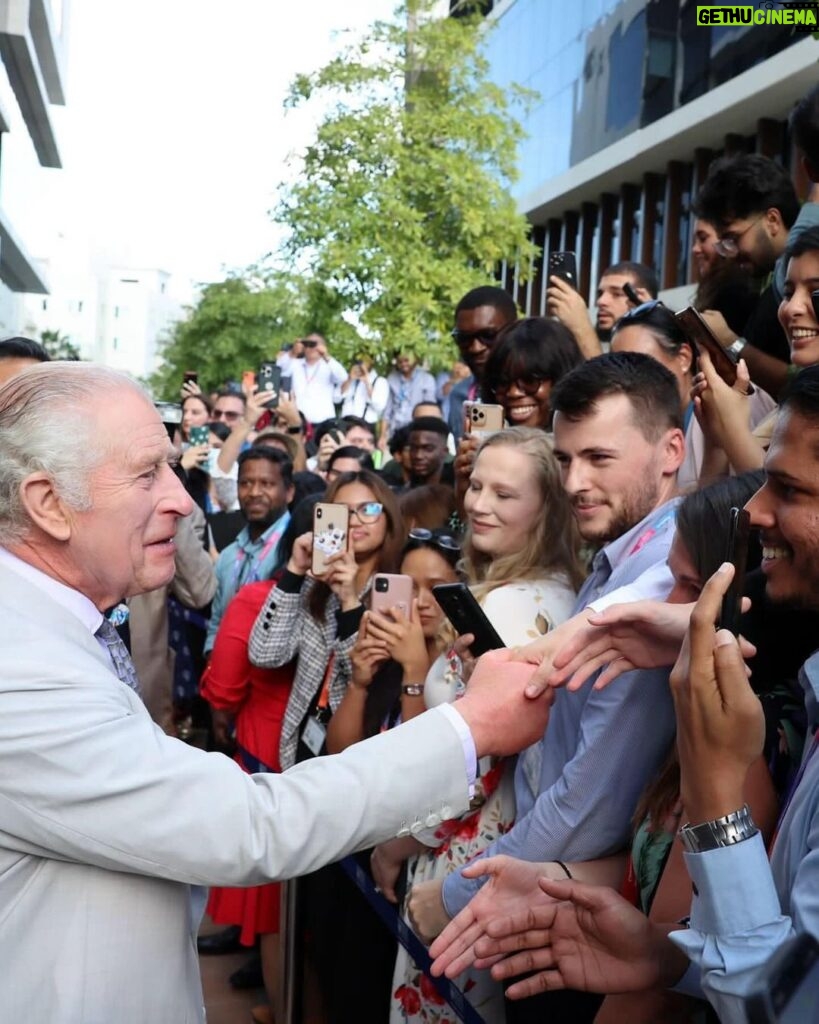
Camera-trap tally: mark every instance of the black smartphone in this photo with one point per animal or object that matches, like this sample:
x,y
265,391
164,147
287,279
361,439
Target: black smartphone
x,y
460,606
700,336
814,301
631,294
190,377
270,377
787,991
564,266
738,534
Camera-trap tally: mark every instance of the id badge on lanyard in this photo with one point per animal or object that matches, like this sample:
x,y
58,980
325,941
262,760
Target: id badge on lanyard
x,y
314,736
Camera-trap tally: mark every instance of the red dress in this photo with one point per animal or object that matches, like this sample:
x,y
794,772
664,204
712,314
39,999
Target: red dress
x,y
257,697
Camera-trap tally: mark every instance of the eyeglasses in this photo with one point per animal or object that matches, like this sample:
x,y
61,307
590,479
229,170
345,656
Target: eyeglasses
x,y
445,541
367,511
463,339
528,385
728,245
226,414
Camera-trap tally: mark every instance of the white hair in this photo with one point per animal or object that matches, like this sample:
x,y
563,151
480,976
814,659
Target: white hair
x,y
47,425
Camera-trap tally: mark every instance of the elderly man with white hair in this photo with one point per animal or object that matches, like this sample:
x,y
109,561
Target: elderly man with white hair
x,y
107,825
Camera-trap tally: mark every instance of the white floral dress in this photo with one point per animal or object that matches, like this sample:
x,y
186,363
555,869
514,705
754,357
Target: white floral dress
x,y
520,612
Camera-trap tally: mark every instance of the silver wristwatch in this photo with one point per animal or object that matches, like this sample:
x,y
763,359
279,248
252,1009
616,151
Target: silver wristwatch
x,y
710,835
736,347
413,689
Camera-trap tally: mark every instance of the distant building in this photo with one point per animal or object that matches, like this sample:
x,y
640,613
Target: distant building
x,y
31,84
115,315
635,101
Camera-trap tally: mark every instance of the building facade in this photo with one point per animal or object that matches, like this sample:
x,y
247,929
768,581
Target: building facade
x,y
634,102
32,47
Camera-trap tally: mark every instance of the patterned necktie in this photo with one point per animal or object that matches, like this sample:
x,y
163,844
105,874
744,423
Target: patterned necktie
x,y
123,666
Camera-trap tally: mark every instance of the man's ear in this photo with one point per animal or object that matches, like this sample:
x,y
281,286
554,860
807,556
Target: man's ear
x,y
44,507
773,219
686,356
674,451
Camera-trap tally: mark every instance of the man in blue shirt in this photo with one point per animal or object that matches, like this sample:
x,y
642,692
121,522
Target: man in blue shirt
x,y
619,441
265,489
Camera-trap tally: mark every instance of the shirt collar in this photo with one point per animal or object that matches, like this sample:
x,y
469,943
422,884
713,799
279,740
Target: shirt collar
x,y
246,544
617,551
72,600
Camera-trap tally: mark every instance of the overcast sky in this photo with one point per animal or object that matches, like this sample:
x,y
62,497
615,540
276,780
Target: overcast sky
x,y
174,136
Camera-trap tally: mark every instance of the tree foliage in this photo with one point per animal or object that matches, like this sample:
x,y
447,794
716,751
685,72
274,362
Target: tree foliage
x,y
236,324
402,203
59,346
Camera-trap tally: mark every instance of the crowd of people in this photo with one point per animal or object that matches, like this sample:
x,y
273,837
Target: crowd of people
x,y
610,819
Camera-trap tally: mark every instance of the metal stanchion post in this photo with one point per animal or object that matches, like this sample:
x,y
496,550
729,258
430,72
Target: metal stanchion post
x,y
289,998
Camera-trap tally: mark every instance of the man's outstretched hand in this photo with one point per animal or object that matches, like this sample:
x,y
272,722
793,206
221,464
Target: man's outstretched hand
x,y
586,937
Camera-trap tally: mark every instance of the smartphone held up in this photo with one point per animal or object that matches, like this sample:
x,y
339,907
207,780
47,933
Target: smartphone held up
x,y
331,523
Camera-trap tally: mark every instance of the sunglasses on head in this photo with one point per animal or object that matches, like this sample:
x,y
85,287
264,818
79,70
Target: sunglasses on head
x,y
444,541
641,310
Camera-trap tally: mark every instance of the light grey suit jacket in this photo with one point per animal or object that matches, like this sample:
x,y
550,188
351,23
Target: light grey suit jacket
x,y
106,823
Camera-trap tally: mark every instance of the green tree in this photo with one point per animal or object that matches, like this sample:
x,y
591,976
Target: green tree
x,y
403,204
59,346
235,325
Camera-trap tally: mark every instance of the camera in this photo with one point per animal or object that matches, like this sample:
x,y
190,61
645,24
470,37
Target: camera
x,y
382,585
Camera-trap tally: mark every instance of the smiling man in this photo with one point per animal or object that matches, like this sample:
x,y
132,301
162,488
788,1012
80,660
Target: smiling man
x,y
752,202
619,442
479,318
108,827
265,489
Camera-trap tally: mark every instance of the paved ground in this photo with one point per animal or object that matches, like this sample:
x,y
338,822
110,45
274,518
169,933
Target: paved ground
x,y
224,1004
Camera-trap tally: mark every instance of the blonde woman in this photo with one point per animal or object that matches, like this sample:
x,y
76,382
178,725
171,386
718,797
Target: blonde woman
x,y
520,559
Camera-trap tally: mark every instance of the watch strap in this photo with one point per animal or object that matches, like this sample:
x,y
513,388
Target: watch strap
x,y
736,347
726,831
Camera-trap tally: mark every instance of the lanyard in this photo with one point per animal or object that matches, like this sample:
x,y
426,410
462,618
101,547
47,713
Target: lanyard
x,y
240,578
324,696
792,791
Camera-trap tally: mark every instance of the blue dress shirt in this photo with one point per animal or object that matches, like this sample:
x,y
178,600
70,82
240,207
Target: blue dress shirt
x,y
744,907
576,791
244,561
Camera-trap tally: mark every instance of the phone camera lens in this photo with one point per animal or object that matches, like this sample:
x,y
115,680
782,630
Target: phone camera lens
x,y
382,586
318,513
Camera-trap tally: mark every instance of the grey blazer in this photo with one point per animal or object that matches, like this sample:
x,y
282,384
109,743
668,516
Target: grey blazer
x,y
107,824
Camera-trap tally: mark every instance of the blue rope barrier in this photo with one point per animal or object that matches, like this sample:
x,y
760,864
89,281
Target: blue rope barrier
x,y
409,940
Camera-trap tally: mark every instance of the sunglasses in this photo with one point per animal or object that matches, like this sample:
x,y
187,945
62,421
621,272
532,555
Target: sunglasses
x,y
463,339
226,414
310,344
444,541
367,511
641,310
526,385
